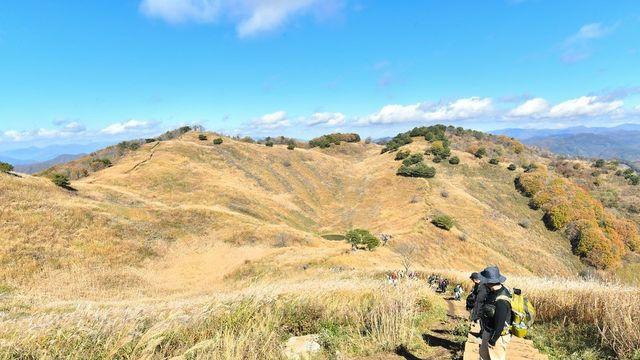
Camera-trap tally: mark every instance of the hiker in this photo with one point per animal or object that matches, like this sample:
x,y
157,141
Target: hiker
x,y
385,238
476,297
393,278
442,287
495,314
457,292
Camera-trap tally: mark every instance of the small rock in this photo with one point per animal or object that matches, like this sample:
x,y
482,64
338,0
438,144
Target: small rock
x,y
302,347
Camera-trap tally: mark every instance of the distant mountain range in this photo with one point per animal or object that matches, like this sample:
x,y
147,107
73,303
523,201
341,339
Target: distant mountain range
x,y
33,168
620,142
35,159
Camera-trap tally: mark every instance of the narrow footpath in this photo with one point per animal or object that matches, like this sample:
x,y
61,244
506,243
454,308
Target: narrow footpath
x,y
518,349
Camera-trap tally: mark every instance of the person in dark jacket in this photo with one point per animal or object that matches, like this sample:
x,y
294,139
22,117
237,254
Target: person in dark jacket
x,y
495,314
476,297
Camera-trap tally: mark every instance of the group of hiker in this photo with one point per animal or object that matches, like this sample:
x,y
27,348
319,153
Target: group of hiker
x,y
501,313
394,276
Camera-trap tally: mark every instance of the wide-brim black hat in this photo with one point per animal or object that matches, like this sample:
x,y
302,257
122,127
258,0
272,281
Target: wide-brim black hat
x,y
475,276
491,275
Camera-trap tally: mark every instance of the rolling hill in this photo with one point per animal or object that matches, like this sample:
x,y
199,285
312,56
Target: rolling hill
x,y
163,201
185,247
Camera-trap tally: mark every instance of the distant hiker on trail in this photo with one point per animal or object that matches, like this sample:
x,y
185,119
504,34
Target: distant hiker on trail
x,y
476,297
457,292
385,238
442,286
495,315
393,278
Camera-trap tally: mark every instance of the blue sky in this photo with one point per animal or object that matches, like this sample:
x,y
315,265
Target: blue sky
x,y
78,71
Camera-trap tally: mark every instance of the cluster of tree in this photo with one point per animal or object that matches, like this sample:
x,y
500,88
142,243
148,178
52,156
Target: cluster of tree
x,y
218,141
413,166
596,236
629,174
516,146
99,164
5,167
362,238
327,140
175,133
440,150
430,133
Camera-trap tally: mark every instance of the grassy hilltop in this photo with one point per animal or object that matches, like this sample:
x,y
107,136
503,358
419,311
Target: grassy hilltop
x,y
161,225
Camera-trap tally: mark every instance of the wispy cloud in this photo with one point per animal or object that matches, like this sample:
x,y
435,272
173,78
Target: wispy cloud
x,y
326,119
275,120
130,126
577,47
251,17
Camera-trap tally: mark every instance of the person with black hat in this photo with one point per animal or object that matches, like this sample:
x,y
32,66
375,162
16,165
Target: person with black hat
x,y
476,297
495,315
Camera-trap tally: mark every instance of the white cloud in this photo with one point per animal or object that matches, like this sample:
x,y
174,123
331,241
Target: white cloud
x,y
577,47
591,31
326,118
74,127
16,135
271,121
129,126
251,16
178,11
585,106
460,109
69,129
530,108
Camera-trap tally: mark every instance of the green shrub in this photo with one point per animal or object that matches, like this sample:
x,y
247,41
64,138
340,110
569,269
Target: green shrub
x,y
5,167
357,237
634,179
61,180
437,159
494,161
218,141
443,221
529,167
398,141
325,141
454,160
128,145
202,137
417,170
413,159
268,144
440,149
99,164
599,163
291,146
480,153
512,167
402,154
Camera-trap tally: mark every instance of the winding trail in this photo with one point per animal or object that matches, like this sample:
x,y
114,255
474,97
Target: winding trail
x,y
151,152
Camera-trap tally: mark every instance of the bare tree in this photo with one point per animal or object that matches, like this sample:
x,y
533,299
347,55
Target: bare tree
x,y
408,252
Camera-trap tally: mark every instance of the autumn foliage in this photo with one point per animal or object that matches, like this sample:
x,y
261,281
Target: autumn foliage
x,y
598,237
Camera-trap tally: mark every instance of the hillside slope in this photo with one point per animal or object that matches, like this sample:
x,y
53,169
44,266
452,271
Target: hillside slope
x,y
205,211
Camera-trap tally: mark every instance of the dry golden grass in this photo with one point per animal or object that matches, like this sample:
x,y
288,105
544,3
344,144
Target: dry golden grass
x,y
186,248
355,316
169,200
